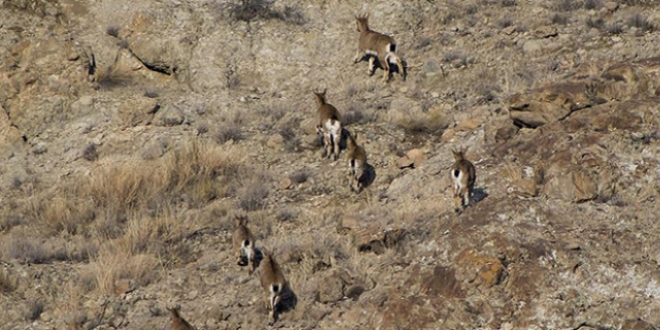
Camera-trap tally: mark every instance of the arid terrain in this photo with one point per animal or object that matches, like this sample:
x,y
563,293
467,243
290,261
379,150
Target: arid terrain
x,y
133,132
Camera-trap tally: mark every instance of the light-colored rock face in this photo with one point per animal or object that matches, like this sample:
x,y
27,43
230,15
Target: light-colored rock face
x,y
131,132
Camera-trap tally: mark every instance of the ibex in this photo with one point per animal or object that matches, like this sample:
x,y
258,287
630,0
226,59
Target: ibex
x,y
357,160
273,282
178,322
463,174
376,44
243,242
328,125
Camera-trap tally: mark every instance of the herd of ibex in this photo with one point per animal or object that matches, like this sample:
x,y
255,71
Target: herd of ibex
x,y
374,46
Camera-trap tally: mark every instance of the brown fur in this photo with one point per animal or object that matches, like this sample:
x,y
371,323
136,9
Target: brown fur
x,y
327,115
242,234
178,322
383,45
272,277
357,160
463,175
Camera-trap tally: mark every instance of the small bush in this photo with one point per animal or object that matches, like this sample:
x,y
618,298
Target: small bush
x,y
251,10
592,4
422,42
559,19
252,195
35,308
291,140
509,3
356,115
286,215
504,23
567,5
595,24
112,31
7,284
472,9
641,22
228,132
615,28
299,177
448,18
90,153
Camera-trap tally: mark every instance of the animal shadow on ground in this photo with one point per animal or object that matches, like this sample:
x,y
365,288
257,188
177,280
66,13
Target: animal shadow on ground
x,y
288,302
368,176
478,194
393,68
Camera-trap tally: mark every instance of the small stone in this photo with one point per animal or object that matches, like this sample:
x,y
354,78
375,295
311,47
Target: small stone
x,y
170,115
116,321
286,183
468,125
417,157
404,162
275,141
611,6
546,31
39,148
510,29
124,286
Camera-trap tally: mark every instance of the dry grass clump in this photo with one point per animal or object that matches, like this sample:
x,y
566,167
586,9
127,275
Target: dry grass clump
x,y
7,283
252,194
413,122
641,22
251,10
356,114
291,139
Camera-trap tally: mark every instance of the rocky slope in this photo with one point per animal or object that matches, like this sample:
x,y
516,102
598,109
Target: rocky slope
x,y
132,132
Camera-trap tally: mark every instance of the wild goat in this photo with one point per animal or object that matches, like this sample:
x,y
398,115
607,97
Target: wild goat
x,y
463,174
178,322
273,282
376,44
357,160
328,125
243,242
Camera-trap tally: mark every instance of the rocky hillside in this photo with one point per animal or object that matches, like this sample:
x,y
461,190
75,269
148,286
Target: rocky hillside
x,y
133,132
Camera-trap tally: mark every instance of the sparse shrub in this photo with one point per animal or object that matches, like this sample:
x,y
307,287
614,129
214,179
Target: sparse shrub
x,y
251,10
112,30
508,3
299,177
615,28
150,93
123,44
228,132
25,249
422,42
472,9
286,215
16,182
503,23
641,22
457,59
448,18
90,153
35,308
232,80
598,23
202,129
567,5
560,19
354,114
291,140
592,4
7,284
252,195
